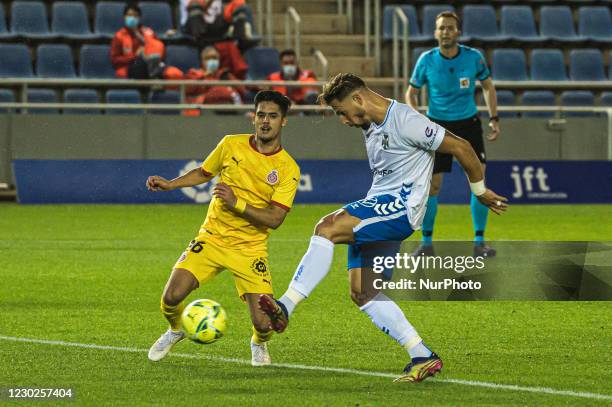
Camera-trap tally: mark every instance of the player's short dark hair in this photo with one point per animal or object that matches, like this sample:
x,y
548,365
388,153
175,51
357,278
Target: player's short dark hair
x,y
132,6
339,87
287,52
275,97
450,14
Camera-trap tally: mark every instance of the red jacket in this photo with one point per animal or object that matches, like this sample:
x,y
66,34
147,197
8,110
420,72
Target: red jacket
x,y
125,46
212,94
296,94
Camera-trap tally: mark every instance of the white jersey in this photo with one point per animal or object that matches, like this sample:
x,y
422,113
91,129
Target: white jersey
x,y
401,155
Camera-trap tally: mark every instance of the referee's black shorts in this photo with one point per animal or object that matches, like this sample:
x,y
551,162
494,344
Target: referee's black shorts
x,y
469,129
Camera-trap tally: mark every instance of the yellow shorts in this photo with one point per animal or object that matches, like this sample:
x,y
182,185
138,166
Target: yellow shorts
x,y
205,259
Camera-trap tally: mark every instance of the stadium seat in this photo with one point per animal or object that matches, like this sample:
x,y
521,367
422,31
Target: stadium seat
x,y
109,18
429,17
183,57
4,32
42,96
16,61
595,23
509,65
517,22
54,61
165,97
70,20
6,96
129,96
606,99
81,96
158,16
557,23
538,98
480,23
577,98
547,65
95,62
262,62
29,19
586,65
413,22
610,65
506,98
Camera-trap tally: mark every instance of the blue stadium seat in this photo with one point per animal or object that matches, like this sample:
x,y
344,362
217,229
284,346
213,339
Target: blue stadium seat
x,y
610,65
183,57
595,23
16,61
577,98
42,96
4,32
538,98
109,18
95,62
557,23
129,96
586,65
547,65
165,97
480,23
517,22
157,15
54,61
430,12
29,19
70,20
262,62
506,98
509,65
413,22
7,96
81,96
606,99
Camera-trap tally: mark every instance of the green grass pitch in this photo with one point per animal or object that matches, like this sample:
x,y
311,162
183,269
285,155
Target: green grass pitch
x,y
94,275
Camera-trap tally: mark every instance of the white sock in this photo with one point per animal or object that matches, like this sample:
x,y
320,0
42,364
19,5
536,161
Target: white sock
x,y
312,269
389,318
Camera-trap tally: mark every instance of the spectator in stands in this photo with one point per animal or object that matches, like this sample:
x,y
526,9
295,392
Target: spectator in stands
x,y
290,71
136,52
211,70
223,24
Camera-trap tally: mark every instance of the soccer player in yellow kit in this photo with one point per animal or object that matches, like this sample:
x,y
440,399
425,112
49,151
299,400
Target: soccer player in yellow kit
x,y
258,181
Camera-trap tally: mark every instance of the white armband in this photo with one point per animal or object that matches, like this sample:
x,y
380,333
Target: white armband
x,y
478,188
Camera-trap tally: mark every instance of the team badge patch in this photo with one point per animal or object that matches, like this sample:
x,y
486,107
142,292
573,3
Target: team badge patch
x,y
272,177
260,266
464,83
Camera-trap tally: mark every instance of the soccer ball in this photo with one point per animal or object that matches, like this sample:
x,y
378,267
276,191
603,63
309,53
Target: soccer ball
x,y
204,321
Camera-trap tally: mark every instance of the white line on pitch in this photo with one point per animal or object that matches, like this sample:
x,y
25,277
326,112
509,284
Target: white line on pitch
x,y
511,387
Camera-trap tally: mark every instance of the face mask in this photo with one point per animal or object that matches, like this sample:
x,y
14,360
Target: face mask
x,y
289,71
212,65
131,21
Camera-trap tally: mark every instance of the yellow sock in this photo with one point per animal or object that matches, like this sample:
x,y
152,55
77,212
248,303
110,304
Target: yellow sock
x,y
173,314
261,337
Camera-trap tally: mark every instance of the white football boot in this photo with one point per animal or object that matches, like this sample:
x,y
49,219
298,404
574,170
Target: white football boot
x,y
162,346
260,355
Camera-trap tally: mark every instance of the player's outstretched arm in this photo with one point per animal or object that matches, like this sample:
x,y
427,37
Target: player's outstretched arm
x,y
193,177
271,216
464,153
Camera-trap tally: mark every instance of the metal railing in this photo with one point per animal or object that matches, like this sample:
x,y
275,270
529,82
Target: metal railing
x,y
367,21
349,13
265,21
400,16
322,60
292,16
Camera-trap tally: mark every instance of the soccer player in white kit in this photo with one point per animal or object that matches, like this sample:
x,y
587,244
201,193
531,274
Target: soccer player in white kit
x,y
400,144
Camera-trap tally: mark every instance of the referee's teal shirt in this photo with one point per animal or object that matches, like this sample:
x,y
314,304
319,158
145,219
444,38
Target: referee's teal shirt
x,y
450,82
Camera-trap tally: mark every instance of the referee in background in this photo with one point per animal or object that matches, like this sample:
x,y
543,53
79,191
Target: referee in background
x,y
450,72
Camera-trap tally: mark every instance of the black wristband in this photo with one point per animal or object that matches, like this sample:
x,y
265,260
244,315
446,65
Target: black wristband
x,y
496,118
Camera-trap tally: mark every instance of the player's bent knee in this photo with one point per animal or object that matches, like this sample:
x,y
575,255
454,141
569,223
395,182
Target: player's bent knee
x,y
359,298
325,227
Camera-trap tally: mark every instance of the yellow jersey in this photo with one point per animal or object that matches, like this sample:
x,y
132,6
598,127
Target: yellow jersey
x,y
260,179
